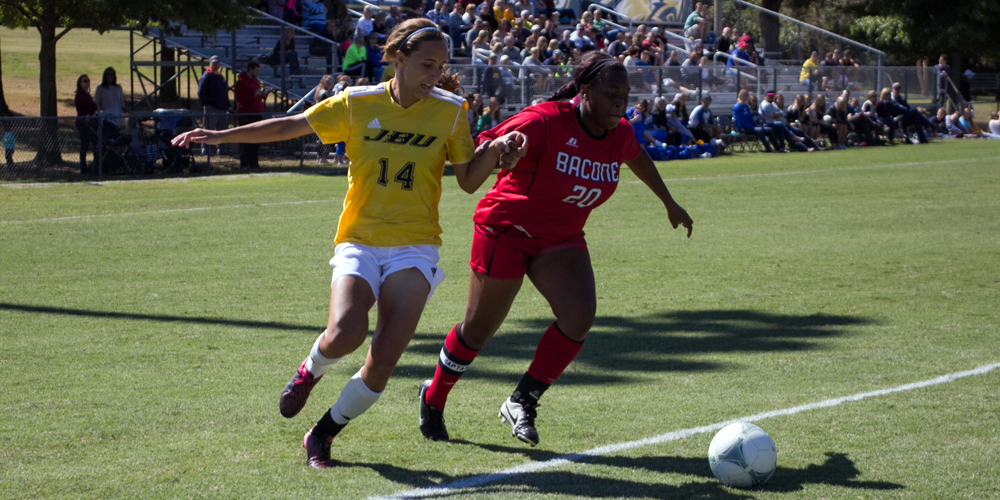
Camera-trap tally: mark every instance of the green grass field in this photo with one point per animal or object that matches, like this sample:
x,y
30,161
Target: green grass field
x,y
147,328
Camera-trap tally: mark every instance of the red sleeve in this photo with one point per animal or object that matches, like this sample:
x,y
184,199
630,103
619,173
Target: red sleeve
x,y
529,122
630,145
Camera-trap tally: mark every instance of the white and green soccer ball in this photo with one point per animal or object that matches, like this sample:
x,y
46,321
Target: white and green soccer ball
x,y
742,455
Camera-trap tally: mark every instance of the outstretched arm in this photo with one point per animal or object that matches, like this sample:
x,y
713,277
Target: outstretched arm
x,y
270,130
645,170
503,152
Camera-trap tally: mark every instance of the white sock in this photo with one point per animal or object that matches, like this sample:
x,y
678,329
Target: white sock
x,y
316,363
354,400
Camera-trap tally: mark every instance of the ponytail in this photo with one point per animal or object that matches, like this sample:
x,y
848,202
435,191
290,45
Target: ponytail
x,y
596,66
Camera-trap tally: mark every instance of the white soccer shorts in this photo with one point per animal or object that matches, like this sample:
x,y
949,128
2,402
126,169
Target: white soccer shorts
x,y
375,264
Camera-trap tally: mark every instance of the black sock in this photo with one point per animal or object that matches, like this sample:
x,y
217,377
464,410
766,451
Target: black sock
x,y
528,390
327,427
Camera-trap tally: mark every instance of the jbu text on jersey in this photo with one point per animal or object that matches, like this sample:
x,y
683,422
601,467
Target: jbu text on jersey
x,y
393,137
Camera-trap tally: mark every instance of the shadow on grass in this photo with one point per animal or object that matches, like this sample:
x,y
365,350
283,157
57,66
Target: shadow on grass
x,y
617,346
837,470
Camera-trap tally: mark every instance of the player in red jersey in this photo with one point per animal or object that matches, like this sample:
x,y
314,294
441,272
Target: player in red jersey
x,y
531,222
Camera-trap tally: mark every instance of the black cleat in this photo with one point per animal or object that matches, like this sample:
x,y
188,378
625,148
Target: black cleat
x,y
317,450
521,419
431,420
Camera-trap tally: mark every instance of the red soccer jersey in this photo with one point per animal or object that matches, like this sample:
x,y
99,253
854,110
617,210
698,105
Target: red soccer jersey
x,y
564,175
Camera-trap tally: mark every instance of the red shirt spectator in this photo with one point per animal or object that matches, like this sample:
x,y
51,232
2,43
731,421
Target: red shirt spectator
x,y
249,95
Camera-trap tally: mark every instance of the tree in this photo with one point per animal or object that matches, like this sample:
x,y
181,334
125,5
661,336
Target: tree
x,y
54,18
911,29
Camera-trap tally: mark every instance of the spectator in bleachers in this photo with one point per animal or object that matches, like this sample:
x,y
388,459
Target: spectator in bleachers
x,y
810,74
532,68
366,24
739,53
839,118
800,135
690,72
652,45
829,65
520,32
438,15
373,52
86,108
580,39
249,105
696,24
276,8
475,111
109,96
968,124
702,123
491,117
213,93
619,45
314,16
743,121
896,117
356,61
770,114
336,10
509,89
672,59
319,48
708,77
291,14
290,55
724,44
852,72
943,72
915,113
565,45
994,125
492,85
485,13
509,50
815,114
677,117
551,30
392,19
457,27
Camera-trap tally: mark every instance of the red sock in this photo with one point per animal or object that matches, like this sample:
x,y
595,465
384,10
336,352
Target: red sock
x,y
554,353
455,358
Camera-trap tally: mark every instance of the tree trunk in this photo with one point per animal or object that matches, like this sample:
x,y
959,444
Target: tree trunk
x,y
48,148
169,91
770,28
4,109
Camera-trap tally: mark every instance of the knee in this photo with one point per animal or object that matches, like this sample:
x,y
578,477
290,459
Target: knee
x,y
576,325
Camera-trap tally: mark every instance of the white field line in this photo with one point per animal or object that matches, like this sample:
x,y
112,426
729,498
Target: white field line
x,y
170,211
801,172
711,178
452,488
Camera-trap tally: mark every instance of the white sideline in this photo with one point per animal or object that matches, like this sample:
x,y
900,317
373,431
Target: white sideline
x,y
472,482
682,179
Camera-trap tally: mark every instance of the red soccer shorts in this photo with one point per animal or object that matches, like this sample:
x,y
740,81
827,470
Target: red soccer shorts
x,y
503,252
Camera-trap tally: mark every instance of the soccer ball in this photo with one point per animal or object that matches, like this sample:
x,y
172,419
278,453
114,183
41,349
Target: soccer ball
x,y
742,455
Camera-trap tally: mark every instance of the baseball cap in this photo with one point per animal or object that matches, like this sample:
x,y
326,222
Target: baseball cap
x,y
706,95
769,92
896,85
213,59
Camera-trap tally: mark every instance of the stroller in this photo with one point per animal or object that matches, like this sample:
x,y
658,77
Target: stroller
x,y
114,155
169,123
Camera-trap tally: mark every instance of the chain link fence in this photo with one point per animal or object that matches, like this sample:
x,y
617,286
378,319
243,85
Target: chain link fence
x,y
139,144
781,39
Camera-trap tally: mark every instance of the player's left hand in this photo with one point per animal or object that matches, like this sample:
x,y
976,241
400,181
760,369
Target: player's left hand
x,y
679,217
510,148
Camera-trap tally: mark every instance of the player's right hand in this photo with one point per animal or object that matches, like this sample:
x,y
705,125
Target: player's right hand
x,y
199,135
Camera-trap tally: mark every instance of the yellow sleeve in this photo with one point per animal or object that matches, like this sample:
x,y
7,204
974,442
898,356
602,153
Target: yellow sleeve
x,y
331,119
459,147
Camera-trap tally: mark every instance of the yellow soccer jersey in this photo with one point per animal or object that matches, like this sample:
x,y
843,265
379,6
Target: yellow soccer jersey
x,y
397,158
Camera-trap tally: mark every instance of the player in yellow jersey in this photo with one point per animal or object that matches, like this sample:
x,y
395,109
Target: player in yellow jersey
x,y
398,136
